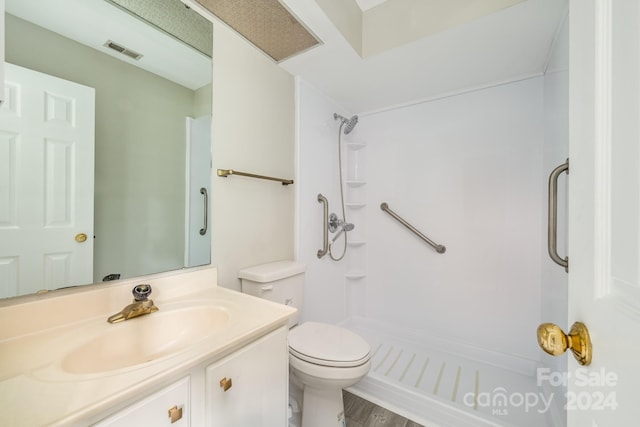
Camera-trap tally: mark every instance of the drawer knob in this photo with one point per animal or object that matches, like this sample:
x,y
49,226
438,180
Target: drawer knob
x,y
225,384
175,414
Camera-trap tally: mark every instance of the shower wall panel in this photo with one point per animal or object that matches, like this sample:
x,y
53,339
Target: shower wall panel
x,y
317,172
466,171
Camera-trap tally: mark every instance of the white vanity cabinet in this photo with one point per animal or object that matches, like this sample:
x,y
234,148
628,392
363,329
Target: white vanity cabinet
x,y
167,407
246,388
249,388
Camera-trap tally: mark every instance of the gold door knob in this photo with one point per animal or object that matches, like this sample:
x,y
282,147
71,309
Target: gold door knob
x,y
555,342
81,237
225,384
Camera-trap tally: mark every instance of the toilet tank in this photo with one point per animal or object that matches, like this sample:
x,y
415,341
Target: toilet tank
x,y
281,282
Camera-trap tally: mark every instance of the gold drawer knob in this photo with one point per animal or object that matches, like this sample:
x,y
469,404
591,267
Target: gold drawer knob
x,y
555,342
175,414
225,384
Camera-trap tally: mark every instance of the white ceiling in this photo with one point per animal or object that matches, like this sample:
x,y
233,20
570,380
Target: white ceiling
x,y
508,45
93,22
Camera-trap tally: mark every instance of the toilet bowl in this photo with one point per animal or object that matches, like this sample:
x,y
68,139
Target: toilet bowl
x,y
323,358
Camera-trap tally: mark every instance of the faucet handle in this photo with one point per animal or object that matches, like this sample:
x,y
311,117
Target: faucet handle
x,y
141,292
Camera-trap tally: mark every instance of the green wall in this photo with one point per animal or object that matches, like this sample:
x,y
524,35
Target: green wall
x,y
140,143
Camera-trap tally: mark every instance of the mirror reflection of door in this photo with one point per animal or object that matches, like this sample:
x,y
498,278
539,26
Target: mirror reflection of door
x,y
141,105
198,178
46,183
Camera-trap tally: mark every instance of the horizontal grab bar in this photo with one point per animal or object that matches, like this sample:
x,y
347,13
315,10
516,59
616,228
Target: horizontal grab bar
x,y
439,248
227,172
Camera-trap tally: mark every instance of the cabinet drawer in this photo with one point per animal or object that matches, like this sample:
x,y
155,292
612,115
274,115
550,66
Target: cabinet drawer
x,y
156,410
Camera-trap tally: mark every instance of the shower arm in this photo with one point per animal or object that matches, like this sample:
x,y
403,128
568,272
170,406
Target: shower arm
x,y
325,230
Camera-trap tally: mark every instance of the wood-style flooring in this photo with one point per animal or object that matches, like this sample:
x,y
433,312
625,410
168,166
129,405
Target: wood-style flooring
x,y
362,413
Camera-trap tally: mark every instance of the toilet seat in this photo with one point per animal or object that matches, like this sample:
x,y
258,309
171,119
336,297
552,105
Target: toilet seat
x,y
328,345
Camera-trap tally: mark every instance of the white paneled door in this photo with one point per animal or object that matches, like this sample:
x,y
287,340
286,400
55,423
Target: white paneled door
x,y
604,210
46,182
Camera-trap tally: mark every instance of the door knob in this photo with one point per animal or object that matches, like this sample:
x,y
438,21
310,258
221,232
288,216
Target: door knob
x,y
555,342
81,237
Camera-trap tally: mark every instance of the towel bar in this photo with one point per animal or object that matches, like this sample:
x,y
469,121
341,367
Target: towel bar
x,y
227,172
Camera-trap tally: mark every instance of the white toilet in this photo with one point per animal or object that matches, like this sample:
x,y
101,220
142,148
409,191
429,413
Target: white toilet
x,y
323,358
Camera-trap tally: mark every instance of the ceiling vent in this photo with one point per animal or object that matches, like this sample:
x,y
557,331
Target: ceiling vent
x,y
123,50
267,24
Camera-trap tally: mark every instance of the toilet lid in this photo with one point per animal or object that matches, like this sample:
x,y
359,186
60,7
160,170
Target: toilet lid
x,y
328,345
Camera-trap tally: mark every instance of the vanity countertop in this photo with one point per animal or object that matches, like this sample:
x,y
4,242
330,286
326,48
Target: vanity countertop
x,y
37,389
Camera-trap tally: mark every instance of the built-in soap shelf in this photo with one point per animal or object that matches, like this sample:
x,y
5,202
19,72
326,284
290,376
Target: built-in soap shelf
x,y
356,201
355,275
356,263
355,205
355,164
355,146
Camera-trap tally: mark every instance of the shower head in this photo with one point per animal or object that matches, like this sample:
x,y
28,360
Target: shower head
x,y
349,124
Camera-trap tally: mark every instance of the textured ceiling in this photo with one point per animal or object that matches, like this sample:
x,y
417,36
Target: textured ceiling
x,y
266,24
175,19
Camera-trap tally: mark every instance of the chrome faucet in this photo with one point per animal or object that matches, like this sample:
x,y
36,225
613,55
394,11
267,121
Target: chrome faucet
x,y
141,305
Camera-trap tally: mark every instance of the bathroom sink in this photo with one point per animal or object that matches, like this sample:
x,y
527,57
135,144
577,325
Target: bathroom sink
x,y
145,338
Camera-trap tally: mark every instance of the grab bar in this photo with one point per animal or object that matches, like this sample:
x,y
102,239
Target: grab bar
x,y
203,191
439,248
553,216
227,172
325,228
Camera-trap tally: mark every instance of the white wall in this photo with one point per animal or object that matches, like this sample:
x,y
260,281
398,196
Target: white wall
x,y
466,171
253,131
318,173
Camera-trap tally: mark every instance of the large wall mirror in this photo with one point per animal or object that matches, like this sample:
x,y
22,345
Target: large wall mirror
x,y
132,79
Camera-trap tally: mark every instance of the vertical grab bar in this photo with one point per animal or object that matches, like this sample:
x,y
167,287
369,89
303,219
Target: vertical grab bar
x,y
553,216
325,230
203,191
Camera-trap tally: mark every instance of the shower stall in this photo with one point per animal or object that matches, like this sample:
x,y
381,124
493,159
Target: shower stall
x,y
453,332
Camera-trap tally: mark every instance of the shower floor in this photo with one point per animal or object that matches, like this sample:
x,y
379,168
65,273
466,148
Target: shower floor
x,y
434,384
